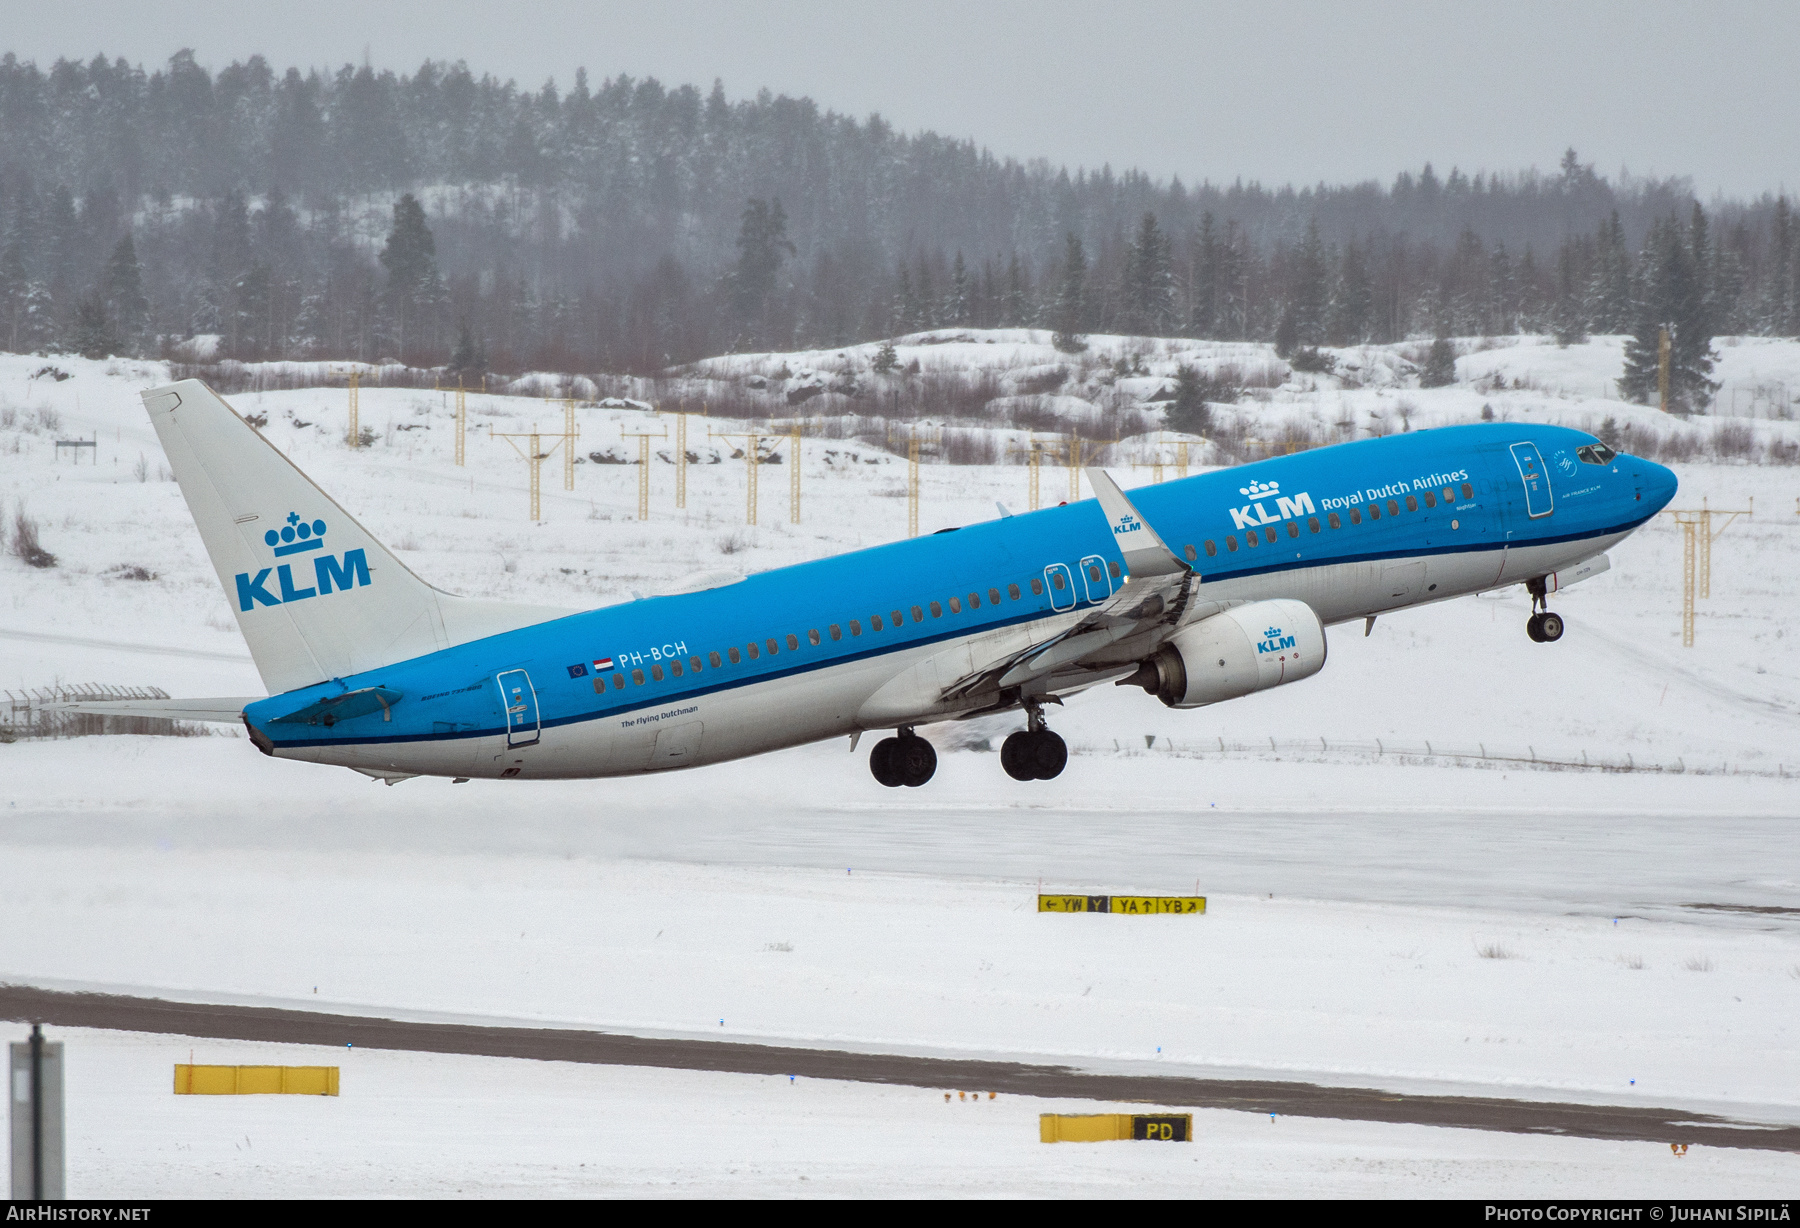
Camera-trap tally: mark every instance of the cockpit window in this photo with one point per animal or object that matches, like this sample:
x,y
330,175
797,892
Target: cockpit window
x,y
1596,454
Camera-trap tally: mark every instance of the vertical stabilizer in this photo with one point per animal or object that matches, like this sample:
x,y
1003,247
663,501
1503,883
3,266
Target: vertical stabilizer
x,y
315,594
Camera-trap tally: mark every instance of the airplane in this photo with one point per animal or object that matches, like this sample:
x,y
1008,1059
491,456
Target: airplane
x,y
1198,591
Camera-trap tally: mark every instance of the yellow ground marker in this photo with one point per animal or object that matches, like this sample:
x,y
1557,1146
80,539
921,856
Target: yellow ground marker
x,y
255,1080
1115,1127
1131,905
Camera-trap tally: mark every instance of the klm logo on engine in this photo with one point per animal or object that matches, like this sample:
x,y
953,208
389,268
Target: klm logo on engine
x,y
329,572
1254,514
1274,641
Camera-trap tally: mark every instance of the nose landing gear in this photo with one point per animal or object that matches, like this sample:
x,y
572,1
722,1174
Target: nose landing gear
x,y
1034,753
1544,627
907,760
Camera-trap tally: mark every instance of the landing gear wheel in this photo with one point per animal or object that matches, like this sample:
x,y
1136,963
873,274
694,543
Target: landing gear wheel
x,y
1550,627
1534,627
916,760
1015,756
1049,755
885,765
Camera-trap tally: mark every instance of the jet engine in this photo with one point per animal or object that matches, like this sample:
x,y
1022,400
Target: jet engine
x,y
1247,648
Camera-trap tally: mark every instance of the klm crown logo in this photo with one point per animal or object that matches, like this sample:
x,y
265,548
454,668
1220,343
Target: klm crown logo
x,y
297,537
330,572
1274,641
1257,490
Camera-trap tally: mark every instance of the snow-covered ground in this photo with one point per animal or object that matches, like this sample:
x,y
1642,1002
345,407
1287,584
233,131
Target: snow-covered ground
x,y
433,1125
1353,891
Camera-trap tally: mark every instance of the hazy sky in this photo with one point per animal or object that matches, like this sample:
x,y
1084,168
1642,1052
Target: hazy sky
x,y
1280,92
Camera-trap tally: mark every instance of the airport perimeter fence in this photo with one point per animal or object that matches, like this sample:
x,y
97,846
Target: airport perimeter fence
x,y
35,713
1477,754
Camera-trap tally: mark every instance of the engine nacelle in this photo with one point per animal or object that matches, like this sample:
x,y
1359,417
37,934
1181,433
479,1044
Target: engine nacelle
x,y
1244,649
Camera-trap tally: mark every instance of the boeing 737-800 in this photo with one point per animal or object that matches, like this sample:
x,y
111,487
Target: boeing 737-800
x,y
1199,591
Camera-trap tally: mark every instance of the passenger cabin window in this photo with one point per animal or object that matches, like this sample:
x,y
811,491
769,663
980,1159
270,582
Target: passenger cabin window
x,y
794,641
994,596
1037,587
1468,491
1191,553
1293,529
855,627
1231,543
1430,499
1332,520
1269,535
1094,572
1012,590
637,676
752,650
837,632
1412,504
618,682
1056,581
937,611
812,637
1312,523
694,664
1394,507
1595,454
675,668
656,672
1113,568
900,619
773,645
974,601
875,622
1449,495
955,606
1251,539
732,653
1212,551
714,658
918,615
1356,516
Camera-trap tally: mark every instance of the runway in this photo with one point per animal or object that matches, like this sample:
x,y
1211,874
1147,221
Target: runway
x,y
1614,1122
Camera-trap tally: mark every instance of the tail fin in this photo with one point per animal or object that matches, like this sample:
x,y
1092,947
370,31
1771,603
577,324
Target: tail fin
x,y
316,595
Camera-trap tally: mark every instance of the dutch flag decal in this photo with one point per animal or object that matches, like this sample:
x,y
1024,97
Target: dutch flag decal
x,y
603,663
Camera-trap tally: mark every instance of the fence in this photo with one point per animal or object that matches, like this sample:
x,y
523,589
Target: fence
x,y
1478,754
32,713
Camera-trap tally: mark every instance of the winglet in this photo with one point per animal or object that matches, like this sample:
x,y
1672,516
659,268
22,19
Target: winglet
x,y
1145,553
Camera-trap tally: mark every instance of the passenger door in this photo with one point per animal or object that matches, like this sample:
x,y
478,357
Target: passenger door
x,y
519,699
1538,500
1062,586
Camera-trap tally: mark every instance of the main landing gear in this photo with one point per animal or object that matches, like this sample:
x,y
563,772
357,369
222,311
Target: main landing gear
x,y
1034,753
905,760
1543,626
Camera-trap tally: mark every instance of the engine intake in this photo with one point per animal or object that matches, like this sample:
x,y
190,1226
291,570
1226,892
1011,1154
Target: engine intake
x,y
1244,649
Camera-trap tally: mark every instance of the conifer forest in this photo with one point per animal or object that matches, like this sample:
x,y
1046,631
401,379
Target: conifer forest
x,y
441,217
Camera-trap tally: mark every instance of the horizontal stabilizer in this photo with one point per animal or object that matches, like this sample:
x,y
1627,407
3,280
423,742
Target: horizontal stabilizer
x,y
227,711
335,708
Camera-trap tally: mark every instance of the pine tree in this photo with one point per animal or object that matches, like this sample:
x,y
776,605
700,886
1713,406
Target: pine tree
x,y
1069,314
1148,290
1567,317
1353,303
1203,295
1778,289
467,359
1190,413
1016,311
956,307
414,288
1670,294
1308,295
122,286
1609,293
762,244
886,359
92,335
1440,365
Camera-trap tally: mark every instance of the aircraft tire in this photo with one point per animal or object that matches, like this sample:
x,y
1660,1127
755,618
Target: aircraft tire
x,y
1049,755
884,763
1534,628
1550,627
916,759
1015,756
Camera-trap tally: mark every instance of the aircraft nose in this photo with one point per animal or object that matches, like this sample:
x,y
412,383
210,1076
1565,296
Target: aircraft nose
x,y
1659,483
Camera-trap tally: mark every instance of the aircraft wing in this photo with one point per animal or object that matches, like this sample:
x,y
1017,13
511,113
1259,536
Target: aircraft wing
x,y
229,710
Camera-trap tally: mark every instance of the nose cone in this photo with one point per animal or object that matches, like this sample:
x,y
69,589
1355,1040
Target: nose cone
x,y
1659,485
